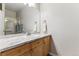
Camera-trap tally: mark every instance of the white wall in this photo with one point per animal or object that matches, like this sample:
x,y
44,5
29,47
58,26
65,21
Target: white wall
x,y
28,16
63,23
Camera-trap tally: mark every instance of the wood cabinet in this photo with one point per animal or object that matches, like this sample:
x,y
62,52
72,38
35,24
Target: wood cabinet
x,y
0,54
17,51
46,46
38,51
39,47
28,53
37,43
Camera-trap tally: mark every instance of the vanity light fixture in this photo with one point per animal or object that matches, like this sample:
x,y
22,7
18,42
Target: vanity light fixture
x,y
30,4
6,20
25,3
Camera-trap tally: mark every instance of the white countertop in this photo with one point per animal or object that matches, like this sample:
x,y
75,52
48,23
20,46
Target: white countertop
x,y
11,41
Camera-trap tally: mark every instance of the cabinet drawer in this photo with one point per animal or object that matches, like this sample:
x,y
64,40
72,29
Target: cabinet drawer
x,y
37,43
17,51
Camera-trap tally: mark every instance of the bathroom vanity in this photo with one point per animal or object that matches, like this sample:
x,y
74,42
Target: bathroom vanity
x,y
32,45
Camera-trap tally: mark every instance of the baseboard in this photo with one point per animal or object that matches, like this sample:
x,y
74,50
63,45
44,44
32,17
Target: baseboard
x,y
53,54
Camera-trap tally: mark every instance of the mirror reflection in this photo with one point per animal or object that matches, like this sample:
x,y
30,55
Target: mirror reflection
x,y
21,18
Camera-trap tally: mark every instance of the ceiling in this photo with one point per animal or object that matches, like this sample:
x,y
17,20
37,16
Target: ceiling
x,y
14,6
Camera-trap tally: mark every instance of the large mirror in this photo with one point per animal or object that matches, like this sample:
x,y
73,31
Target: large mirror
x,y
21,18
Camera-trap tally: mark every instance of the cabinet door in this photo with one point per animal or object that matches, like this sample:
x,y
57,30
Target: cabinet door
x,y
37,43
28,53
46,46
46,41
0,54
11,52
38,51
17,51
45,50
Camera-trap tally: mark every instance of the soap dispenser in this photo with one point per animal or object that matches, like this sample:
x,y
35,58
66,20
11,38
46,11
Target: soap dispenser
x,y
44,26
35,27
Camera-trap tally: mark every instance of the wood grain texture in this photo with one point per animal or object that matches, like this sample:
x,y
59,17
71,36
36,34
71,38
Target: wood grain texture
x,y
38,47
38,51
0,54
46,46
37,43
17,51
28,53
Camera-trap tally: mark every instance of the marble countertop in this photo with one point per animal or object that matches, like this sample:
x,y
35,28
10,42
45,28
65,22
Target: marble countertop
x,y
12,41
